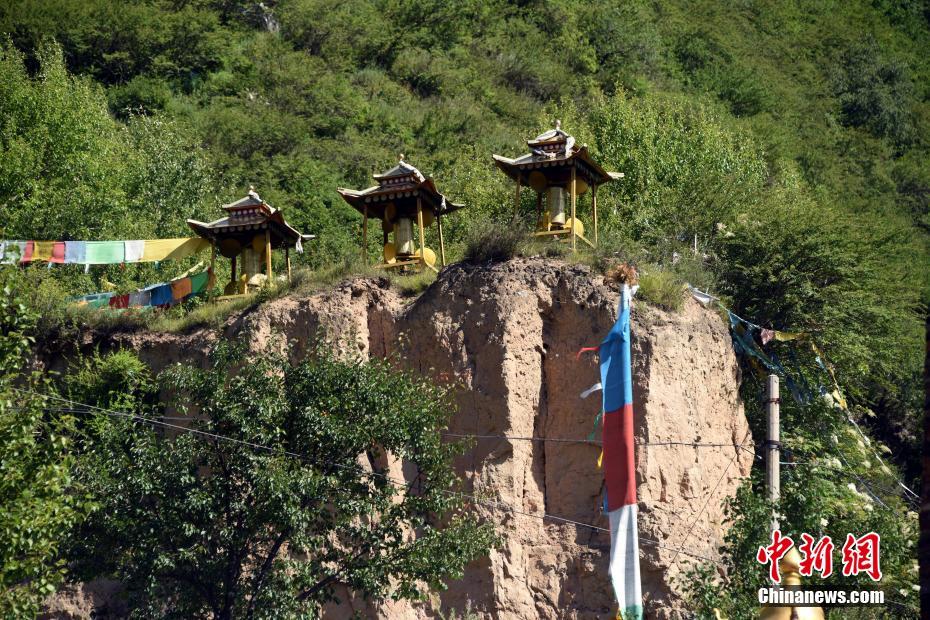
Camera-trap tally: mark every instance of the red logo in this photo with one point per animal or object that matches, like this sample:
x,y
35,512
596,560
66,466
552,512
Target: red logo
x,y
816,557
860,555
774,552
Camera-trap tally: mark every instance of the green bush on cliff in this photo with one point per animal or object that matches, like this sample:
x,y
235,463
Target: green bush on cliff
x,y
38,504
285,491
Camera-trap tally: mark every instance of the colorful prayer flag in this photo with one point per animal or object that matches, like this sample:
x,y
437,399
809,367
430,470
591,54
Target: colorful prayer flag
x,y
180,289
12,252
43,250
134,250
104,253
165,249
619,463
75,252
100,252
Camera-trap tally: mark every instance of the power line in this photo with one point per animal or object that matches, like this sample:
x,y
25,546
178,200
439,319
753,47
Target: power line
x,y
700,513
868,442
694,444
855,476
914,496
403,484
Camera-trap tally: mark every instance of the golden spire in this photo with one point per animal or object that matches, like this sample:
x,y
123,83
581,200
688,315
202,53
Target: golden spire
x,y
790,568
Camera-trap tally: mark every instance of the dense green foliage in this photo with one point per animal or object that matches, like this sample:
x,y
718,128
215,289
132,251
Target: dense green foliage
x,y
788,143
266,510
838,485
38,504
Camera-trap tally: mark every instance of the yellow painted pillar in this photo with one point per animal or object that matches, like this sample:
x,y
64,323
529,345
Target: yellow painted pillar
x,y
420,225
212,269
268,254
365,236
594,205
574,200
540,225
442,243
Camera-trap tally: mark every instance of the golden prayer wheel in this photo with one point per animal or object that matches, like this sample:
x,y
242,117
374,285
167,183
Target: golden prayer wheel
x,y
429,256
407,203
389,253
403,237
230,248
556,199
559,170
538,181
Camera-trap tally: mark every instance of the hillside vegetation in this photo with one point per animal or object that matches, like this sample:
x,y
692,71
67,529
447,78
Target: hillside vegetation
x,y
790,141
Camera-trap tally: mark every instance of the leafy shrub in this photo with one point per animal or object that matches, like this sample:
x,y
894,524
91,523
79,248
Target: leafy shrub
x,y
684,171
710,66
493,243
661,288
39,502
114,381
875,92
180,515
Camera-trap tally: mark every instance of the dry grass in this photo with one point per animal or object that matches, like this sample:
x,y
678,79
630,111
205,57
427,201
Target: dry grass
x,y
211,314
662,288
489,242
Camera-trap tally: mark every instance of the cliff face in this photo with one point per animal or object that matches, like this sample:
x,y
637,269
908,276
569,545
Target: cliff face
x,y
508,334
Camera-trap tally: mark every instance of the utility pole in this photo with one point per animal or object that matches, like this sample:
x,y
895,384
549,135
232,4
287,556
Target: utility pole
x,y
773,445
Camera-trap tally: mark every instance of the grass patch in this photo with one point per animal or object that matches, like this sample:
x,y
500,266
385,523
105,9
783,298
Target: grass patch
x,y
545,248
307,281
413,284
661,288
205,315
494,243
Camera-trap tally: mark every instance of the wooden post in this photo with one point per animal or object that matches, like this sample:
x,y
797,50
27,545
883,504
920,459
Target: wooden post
x,y
573,208
287,259
210,294
594,208
268,255
516,206
420,226
365,235
773,445
232,261
539,214
442,243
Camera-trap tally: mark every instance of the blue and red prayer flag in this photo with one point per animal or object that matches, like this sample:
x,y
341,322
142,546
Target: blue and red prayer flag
x,y
619,464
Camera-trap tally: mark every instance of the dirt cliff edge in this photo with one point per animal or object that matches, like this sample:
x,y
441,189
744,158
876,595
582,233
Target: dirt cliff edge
x,y
508,334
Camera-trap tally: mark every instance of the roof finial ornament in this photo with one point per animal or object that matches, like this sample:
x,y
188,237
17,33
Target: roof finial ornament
x,y
402,157
558,124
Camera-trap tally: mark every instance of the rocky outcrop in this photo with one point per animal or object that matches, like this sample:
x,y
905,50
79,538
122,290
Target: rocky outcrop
x,y
507,335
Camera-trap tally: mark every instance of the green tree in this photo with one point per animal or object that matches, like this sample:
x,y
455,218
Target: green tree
x,y
37,503
302,479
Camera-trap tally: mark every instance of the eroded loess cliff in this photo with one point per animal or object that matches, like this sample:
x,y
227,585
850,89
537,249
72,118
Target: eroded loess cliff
x,y
508,334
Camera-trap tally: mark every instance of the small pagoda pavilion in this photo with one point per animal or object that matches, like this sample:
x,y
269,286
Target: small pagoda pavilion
x,y
559,171
404,200
247,235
